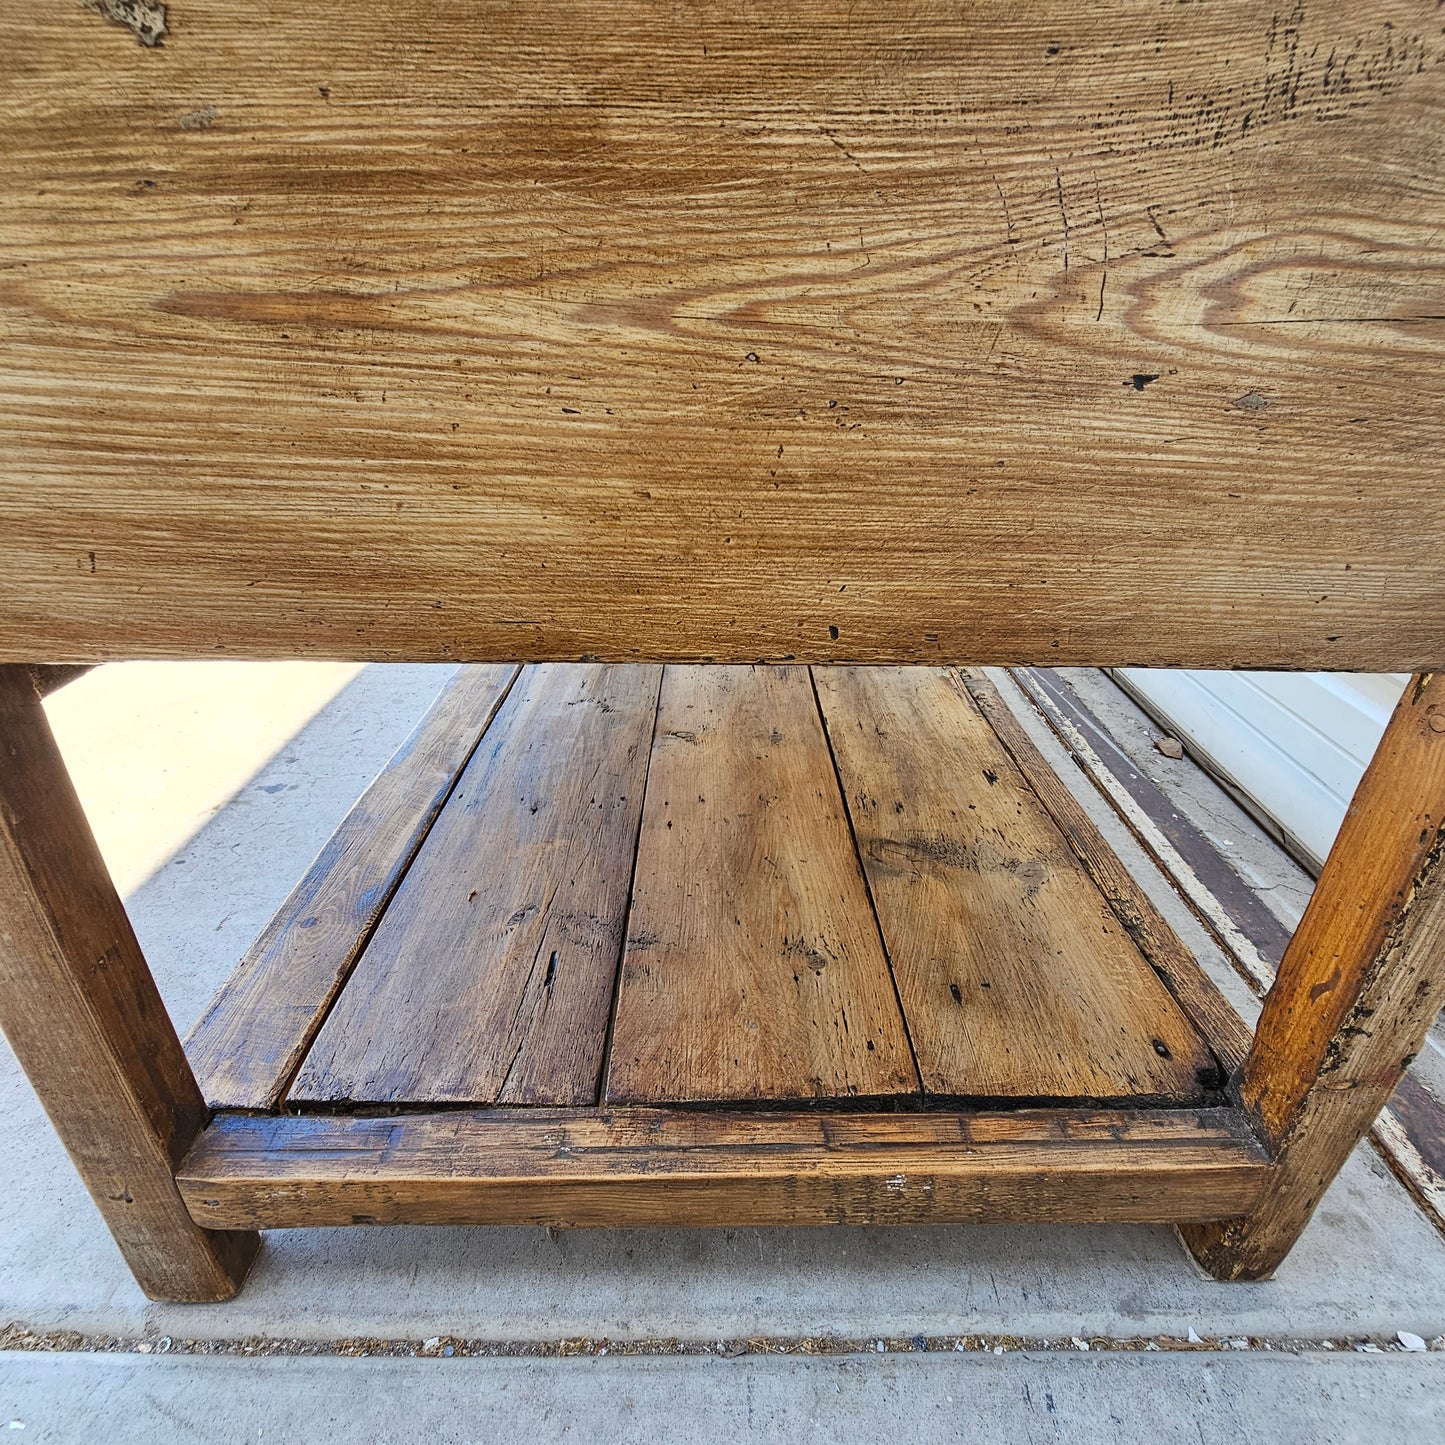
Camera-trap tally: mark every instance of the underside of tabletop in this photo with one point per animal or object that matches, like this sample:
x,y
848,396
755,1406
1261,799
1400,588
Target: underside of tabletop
x,y
470,330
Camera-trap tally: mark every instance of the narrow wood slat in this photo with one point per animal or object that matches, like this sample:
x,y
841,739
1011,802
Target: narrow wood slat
x,y
649,1167
1016,978
491,976
1196,993
1410,1130
753,967
247,1045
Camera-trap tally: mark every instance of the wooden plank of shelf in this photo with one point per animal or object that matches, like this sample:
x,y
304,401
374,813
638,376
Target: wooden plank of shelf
x,y
644,330
753,967
491,977
1016,978
1198,995
650,1167
255,1032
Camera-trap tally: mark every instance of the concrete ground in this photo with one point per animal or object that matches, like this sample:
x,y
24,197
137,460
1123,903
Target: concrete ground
x,y
211,786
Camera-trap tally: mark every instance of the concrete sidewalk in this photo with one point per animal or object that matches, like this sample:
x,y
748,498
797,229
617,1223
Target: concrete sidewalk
x,y
1165,1400
238,772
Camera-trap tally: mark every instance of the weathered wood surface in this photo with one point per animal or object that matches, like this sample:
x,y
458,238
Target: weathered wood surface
x,y
753,967
1359,986
1410,1130
1016,978
248,1044
900,330
1198,995
82,1013
647,1167
491,977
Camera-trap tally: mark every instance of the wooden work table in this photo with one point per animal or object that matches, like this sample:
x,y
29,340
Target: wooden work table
x,y
588,342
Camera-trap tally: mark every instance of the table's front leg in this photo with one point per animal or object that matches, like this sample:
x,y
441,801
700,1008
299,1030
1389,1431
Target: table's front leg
x,y
81,1011
1359,987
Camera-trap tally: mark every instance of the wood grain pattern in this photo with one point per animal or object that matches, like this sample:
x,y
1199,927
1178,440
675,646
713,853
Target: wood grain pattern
x,y
1360,985
82,1013
1410,1130
1197,994
1016,978
247,1045
1094,332
753,967
649,1167
491,977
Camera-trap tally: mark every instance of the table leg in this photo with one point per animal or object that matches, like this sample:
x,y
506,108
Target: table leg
x,y
1358,989
81,1010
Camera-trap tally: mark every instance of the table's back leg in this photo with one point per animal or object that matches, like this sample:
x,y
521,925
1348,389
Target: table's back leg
x,y
82,1013
1357,991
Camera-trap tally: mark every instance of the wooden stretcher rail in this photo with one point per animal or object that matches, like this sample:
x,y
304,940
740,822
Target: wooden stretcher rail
x,y
646,1167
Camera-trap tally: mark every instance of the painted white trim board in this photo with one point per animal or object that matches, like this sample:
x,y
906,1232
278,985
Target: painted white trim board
x,y
1295,744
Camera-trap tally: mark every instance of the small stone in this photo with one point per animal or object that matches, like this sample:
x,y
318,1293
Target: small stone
x,y
1079,1344
1410,1342
1239,1344
878,1345
1170,747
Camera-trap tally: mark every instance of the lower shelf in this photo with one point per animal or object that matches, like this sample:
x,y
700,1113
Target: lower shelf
x,y
592,886
638,1167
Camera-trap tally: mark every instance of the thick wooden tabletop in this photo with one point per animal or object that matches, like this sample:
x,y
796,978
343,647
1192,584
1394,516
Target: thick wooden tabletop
x,y
888,330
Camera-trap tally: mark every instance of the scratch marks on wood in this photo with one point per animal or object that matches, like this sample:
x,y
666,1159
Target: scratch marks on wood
x,y
1310,72
1063,215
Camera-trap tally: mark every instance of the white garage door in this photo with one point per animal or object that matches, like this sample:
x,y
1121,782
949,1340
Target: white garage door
x,y
1294,744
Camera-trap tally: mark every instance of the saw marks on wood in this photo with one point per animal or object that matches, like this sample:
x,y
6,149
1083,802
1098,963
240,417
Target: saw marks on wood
x,y
753,967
